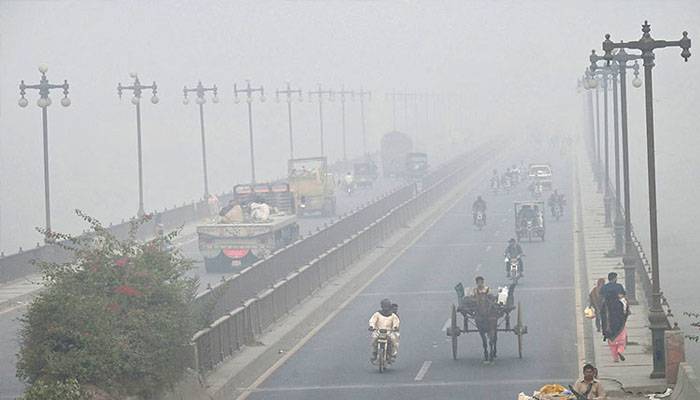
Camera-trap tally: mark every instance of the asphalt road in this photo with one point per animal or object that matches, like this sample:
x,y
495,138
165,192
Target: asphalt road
x,y
334,363
11,387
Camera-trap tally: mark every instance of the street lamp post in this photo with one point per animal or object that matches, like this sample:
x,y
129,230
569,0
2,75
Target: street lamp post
x,y
321,93
592,83
362,93
289,92
342,92
44,88
604,75
137,88
658,323
628,260
248,91
200,90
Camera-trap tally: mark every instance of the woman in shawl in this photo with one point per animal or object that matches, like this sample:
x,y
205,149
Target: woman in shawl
x,y
595,300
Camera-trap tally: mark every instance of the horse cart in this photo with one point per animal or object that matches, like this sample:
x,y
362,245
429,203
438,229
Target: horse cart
x,y
486,314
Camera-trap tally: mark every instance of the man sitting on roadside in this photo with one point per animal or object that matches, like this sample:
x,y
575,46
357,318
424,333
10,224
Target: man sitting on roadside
x,y
589,388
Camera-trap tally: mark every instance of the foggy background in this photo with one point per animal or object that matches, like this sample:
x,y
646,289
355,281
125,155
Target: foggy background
x,y
514,65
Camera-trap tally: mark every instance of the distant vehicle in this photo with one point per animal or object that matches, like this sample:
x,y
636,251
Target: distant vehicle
x,y
542,174
394,148
229,247
365,174
529,219
313,187
416,165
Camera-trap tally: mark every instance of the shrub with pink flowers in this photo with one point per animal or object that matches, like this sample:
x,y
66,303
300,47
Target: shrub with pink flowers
x,y
116,318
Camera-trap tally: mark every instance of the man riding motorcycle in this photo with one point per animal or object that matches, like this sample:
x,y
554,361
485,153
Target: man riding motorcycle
x,y
556,200
479,206
387,319
348,180
495,181
514,251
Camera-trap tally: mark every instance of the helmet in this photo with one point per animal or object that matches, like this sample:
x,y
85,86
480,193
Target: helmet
x,y
385,304
511,241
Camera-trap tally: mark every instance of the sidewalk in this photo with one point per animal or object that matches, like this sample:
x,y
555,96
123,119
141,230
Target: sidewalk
x,y
19,293
631,375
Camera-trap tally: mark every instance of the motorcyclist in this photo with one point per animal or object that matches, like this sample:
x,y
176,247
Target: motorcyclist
x,y
348,180
514,250
385,318
495,182
479,206
556,199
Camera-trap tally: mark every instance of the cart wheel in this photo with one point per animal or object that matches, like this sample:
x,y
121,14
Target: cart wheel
x,y
454,330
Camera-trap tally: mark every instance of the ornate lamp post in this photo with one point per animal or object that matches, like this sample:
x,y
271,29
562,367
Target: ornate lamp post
x,y
342,92
592,82
647,45
137,88
289,92
361,94
321,93
248,91
200,90
605,74
44,88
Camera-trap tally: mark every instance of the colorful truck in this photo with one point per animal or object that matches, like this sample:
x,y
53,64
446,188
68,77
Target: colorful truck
x,y
394,149
312,186
229,247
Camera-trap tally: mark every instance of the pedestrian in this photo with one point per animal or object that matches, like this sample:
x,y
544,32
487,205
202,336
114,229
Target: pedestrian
x,y
589,387
615,312
595,301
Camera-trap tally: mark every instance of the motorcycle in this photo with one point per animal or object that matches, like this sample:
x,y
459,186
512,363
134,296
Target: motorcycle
x,y
494,185
480,221
383,356
514,268
557,211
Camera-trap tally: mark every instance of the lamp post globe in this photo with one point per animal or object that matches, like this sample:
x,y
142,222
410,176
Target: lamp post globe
x,y
65,102
155,99
43,68
636,82
185,101
201,100
215,99
135,100
23,102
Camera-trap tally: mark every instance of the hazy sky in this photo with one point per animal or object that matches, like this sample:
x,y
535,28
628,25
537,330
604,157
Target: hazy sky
x,y
514,63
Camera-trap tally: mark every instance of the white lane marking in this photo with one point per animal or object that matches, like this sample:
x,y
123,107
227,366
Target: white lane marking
x,y
447,325
578,255
389,385
478,267
422,371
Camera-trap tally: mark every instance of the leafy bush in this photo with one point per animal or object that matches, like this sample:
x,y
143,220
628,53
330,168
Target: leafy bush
x,y
117,317
40,390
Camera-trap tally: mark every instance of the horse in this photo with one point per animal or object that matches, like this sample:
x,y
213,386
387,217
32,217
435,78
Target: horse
x,y
486,312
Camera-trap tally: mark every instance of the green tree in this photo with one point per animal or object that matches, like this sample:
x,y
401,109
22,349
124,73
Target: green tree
x,y
117,317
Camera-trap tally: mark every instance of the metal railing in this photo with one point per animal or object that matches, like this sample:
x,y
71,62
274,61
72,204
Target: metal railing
x,y
237,327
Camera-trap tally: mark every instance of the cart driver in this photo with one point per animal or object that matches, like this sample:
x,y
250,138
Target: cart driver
x,y
526,214
481,288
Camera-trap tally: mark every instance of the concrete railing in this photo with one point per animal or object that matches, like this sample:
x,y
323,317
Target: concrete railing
x,y
240,324
233,291
687,386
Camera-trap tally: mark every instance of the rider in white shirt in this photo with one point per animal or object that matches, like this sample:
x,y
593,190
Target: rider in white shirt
x,y
385,318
